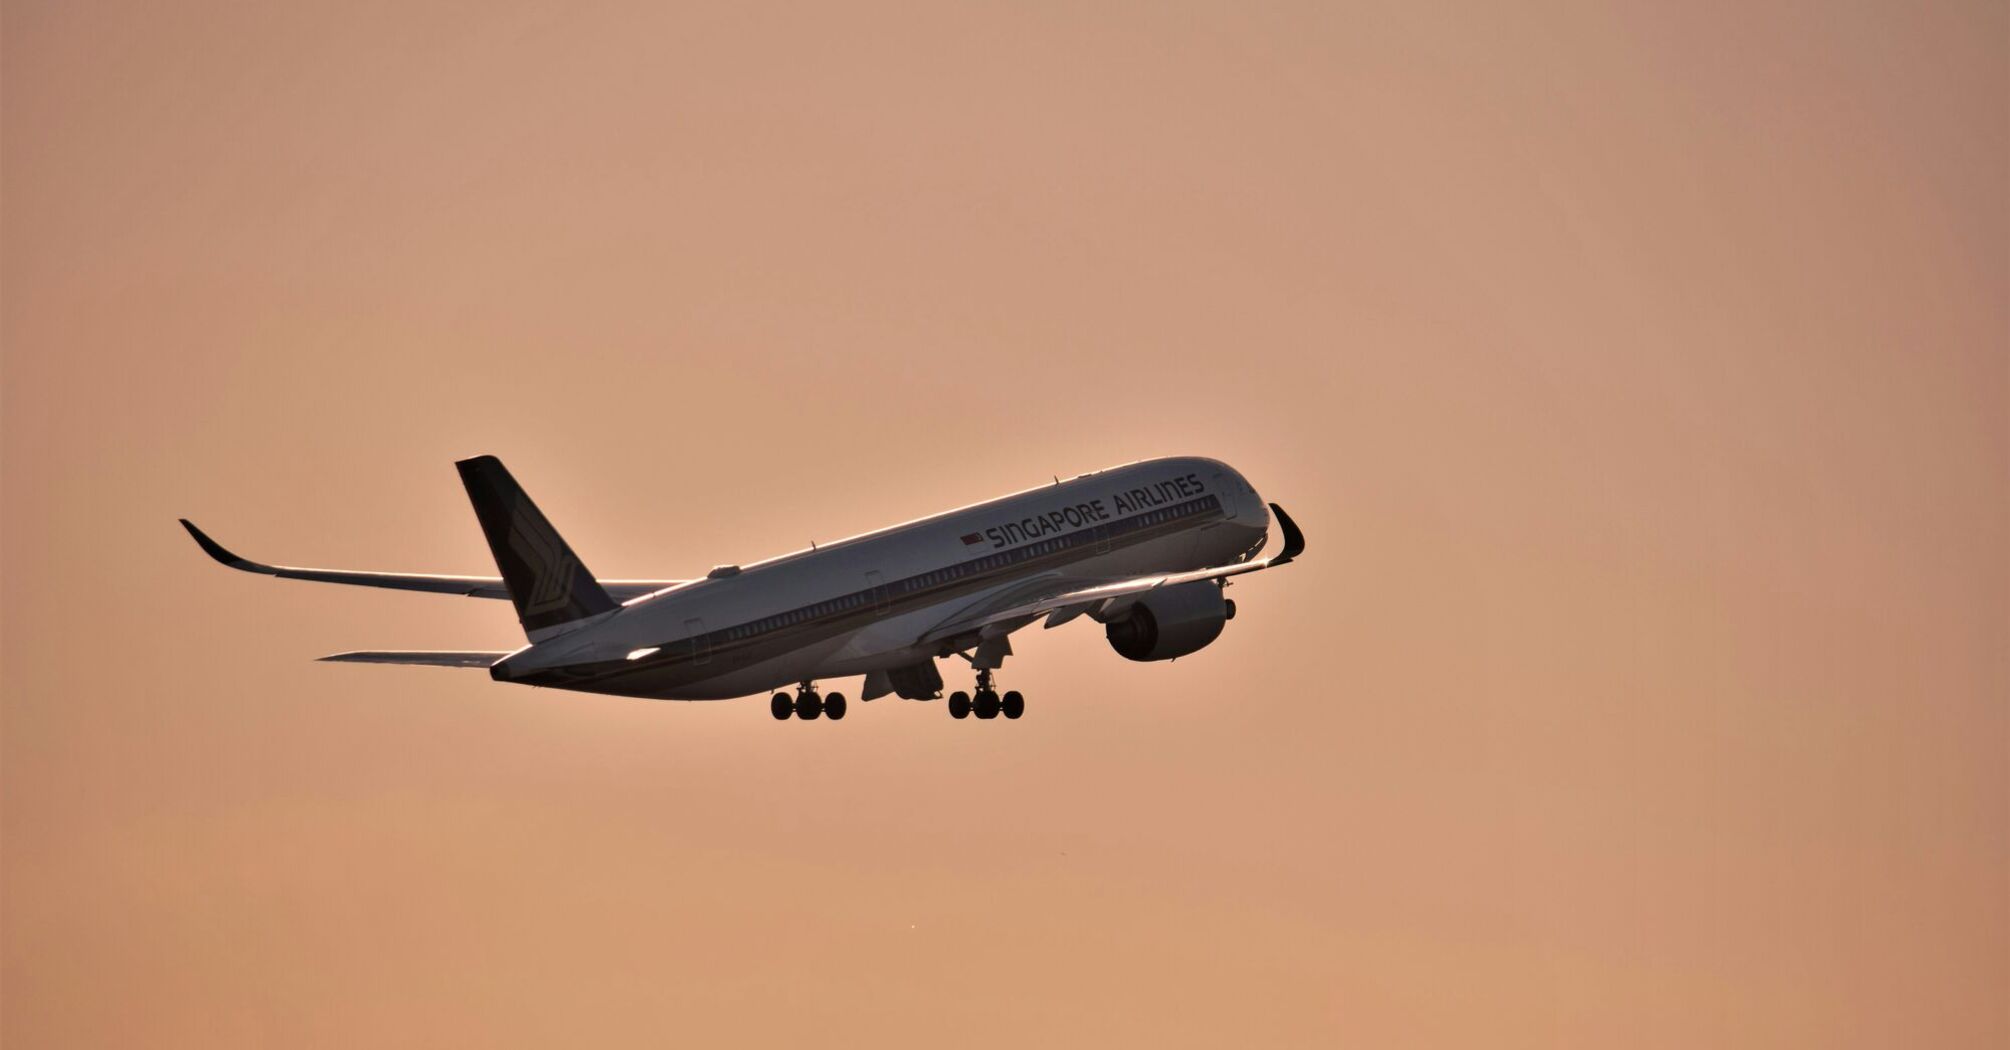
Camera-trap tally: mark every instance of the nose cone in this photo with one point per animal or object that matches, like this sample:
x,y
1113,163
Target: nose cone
x,y
1252,509
1240,498
1253,517
1248,514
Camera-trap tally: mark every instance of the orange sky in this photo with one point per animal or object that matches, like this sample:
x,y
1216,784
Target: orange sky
x,y
1638,372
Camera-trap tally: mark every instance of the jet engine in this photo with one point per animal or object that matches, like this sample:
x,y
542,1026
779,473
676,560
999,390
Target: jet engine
x,y
1170,622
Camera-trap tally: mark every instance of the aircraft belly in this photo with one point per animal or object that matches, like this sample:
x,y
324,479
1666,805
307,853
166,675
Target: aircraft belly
x,y
876,646
781,670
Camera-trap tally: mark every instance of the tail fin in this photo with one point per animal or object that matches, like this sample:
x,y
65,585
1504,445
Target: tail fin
x,y
545,579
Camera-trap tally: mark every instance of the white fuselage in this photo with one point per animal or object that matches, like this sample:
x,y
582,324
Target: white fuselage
x,y
865,604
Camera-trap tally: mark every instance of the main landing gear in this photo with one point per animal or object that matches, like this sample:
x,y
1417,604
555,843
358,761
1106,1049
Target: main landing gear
x,y
987,703
807,705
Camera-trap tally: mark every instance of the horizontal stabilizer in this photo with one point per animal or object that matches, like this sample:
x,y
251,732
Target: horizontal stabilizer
x,y
424,658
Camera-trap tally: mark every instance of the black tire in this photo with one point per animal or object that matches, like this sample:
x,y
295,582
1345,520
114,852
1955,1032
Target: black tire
x,y
985,704
834,706
781,707
959,704
809,706
1012,705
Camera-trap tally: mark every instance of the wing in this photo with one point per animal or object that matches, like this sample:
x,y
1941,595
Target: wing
x,y
422,658
471,586
1063,600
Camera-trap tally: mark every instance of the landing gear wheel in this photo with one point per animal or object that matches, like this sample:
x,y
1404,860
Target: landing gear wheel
x,y
834,706
809,706
781,706
985,705
959,704
1012,705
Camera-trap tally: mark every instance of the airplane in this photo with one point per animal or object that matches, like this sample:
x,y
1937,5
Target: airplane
x,y
1146,549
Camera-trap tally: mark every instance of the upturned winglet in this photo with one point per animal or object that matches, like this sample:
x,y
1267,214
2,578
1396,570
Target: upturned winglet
x,y
1294,539
220,553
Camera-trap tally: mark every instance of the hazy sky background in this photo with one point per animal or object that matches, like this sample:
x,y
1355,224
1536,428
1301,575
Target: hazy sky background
x,y
1638,372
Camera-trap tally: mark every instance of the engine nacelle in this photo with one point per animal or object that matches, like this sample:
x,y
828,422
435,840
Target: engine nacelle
x,y
1170,622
